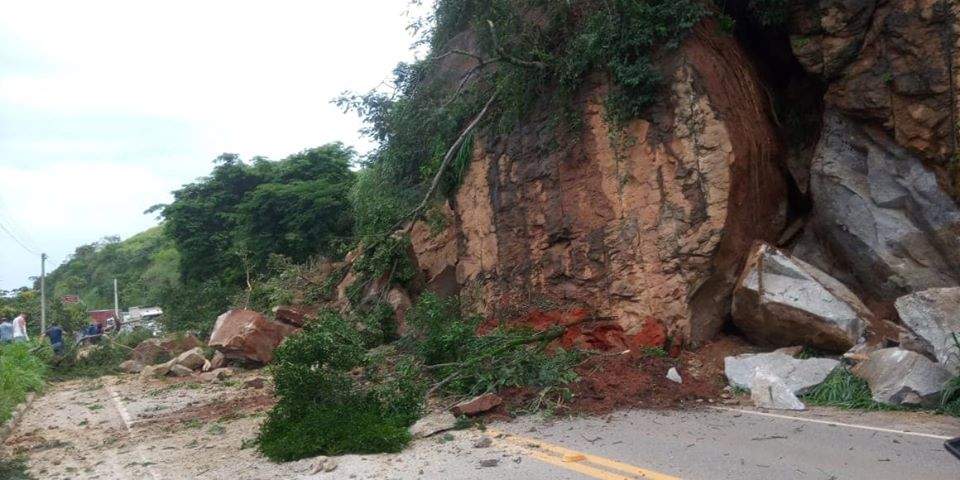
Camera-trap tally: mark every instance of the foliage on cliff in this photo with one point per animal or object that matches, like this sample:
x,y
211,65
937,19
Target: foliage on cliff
x,y
524,53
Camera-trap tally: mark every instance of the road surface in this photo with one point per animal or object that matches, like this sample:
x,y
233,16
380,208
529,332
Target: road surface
x,y
122,428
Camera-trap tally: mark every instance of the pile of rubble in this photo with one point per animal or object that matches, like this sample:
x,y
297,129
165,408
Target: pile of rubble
x,y
781,301
239,336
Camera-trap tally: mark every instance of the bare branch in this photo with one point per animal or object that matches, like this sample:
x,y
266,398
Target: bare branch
x,y
509,58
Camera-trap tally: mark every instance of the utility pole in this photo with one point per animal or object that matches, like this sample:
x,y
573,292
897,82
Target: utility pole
x,y
43,293
116,303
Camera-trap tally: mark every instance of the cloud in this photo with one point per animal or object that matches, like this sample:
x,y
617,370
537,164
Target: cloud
x,y
141,97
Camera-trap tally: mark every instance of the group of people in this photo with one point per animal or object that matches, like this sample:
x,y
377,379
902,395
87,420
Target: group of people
x,y
16,331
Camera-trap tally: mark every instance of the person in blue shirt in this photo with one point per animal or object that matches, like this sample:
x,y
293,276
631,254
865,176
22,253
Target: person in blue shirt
x,y
55,334
6,331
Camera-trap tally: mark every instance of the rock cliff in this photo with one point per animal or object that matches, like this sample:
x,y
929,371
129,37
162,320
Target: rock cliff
x,y
647,227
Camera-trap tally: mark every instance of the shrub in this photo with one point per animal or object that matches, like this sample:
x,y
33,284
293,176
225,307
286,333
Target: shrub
x,y
333,399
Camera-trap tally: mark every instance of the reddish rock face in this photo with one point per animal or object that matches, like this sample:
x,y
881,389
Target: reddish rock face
x,y
649,223
248,335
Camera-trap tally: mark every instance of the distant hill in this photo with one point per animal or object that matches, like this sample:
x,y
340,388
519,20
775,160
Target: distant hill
x,y
144,265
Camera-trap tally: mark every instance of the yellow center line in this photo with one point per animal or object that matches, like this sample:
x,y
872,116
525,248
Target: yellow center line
x,y
529,445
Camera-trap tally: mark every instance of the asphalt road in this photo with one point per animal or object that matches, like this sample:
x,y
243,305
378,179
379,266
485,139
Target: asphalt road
x,y
122,428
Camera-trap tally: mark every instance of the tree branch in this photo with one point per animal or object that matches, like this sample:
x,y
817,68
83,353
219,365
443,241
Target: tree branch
x,y
509,58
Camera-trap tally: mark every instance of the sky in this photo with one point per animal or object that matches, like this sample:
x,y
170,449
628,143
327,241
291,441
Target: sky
x,y
108,106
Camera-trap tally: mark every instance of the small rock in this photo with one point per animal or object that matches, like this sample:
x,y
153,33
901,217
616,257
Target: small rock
x,y
432,424
256,383
131,366
218,361
477,405
155,371
483,443
219,374
206,366
180,371
324,464
192,359
490,462
674,376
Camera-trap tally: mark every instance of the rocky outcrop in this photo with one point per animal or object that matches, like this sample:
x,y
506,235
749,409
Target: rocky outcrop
x,y
797,374
887,63
781,301
882,212
650,223
934,317
901,377
248,335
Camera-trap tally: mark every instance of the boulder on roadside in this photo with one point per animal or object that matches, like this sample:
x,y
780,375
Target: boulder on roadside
x,y
433,423
248,335
782,301
131,366
902,377
178,370
191,359
769,390
798,375
477,405
933,316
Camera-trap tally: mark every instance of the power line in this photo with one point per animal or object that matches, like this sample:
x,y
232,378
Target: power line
x,y
15,239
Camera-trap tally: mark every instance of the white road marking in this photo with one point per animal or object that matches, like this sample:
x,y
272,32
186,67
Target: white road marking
x,y
127,422
830,422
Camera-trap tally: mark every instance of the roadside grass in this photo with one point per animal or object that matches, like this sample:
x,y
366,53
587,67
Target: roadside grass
x,y
22,370
843,390
14,469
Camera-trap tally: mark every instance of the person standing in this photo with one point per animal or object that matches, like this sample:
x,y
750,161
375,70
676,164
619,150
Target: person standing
x,y
6,331
55,335
20,328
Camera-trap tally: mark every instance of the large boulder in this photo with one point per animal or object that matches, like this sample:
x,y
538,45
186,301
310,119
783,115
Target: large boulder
x,y
294,315
248,335
798,375
934,317
902,377
781,301
881,210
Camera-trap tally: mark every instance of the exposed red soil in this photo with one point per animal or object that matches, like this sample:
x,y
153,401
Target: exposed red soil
x,y
638,380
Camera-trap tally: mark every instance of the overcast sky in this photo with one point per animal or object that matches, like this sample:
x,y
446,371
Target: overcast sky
x,y
107,106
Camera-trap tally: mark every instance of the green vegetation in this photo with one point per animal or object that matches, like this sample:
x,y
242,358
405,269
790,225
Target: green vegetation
x,y
22,370
843,389
339,395
227,226
334,400
14,469
526,53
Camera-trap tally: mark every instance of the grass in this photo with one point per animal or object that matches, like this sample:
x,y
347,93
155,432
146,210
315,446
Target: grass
x,y
14,469
22,370
844,390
